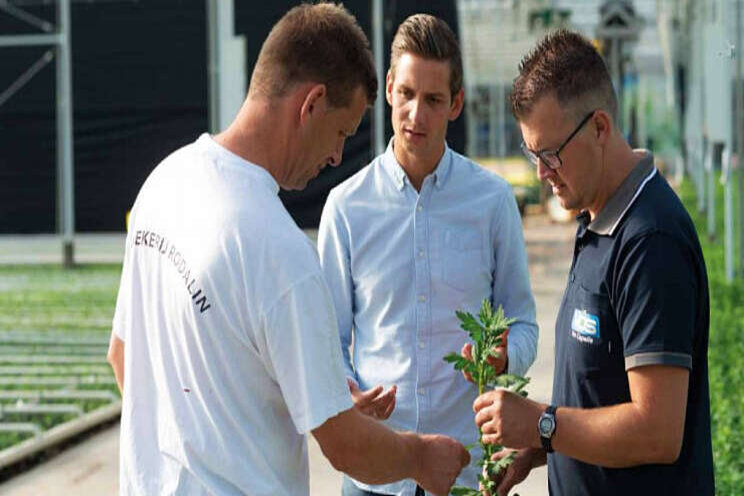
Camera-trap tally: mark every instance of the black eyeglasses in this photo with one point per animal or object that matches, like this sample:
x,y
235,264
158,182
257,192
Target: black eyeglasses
x,y
552,158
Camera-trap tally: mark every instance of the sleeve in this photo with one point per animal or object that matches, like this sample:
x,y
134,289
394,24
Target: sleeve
x,y
511,286
302,345
655,303
333,249
122,313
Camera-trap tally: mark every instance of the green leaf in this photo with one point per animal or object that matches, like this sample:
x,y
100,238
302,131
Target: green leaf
x,y
452,357
471,326
455,358
486,335
470,368
486,312
489,375
514,383
492,352
463,491
504,462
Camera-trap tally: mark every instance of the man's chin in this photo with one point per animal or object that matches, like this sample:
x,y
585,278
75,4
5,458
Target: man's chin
x,y
568,204
295,186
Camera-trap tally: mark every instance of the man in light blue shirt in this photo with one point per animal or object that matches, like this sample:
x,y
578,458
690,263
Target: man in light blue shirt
x,y
417,234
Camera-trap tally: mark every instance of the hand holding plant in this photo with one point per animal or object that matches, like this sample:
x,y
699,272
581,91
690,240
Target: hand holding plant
x,y
499,363
488,335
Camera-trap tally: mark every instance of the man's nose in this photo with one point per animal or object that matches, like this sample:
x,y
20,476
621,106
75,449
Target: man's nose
x,y
335,159
416,114
543,171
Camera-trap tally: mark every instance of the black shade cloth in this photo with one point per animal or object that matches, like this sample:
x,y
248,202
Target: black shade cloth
x,y
139,93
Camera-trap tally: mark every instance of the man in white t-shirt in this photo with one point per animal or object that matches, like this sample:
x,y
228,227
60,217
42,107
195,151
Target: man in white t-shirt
x,y
224,340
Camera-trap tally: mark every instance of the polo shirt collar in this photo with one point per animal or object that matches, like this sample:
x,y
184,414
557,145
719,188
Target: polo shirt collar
x,y
441,171
614,210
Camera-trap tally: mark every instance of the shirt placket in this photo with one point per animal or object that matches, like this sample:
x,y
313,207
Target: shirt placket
x,y
423,301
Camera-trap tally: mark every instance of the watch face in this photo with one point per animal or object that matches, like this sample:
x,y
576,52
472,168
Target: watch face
x,y
546,426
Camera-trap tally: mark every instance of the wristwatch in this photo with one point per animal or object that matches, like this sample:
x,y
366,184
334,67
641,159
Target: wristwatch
x,y
546,427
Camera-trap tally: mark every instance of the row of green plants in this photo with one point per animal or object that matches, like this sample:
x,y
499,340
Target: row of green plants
x,y
49,298
725,349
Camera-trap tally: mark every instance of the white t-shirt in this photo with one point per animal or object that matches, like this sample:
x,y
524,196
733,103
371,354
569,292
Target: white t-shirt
x,y
231,347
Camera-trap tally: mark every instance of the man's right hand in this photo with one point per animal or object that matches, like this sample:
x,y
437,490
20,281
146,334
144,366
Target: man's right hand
x,y
373,402
441,459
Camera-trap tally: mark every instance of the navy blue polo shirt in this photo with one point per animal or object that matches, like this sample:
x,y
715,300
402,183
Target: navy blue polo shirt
x,y
637,295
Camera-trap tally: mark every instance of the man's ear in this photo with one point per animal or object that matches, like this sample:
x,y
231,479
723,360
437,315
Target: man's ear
x,y
603,126
389,87
314,101
457,103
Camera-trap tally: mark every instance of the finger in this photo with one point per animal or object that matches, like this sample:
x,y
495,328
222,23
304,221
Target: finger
x,y
495,478
382,402
389,397
365,398
488,426
498,477
493,360
467,351
492,439
500,454
352,385
482,417
510,479
386,396
483,401
389,410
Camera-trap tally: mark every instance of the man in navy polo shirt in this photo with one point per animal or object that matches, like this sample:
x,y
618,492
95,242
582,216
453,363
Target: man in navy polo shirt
x,y
630,408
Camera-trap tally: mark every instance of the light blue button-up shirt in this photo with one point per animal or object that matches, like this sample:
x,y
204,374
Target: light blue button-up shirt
x,y
400,262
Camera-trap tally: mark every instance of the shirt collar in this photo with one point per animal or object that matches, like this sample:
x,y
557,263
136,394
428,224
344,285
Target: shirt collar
x,y
223,154
614,210
441,171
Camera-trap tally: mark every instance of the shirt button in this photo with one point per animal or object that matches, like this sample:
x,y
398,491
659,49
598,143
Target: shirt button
x,y
421,345
420,208
573,277
422,298
421,254
421,391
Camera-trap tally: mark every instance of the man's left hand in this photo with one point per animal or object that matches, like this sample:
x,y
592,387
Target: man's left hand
x,y
508,419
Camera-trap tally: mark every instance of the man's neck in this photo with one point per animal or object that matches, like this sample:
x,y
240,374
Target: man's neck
x,y
417,167
251,139
619,162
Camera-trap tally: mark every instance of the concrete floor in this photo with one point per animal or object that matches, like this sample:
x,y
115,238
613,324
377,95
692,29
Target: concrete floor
x,y
91,468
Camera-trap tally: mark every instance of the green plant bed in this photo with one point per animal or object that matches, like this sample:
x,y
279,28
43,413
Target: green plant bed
x,y
85,405
47,310
48,297
725,350
44,422
9,439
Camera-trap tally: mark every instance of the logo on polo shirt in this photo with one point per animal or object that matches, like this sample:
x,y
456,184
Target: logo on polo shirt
x,y
584,326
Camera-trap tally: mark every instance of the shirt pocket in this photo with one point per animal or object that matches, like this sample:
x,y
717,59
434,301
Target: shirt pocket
x,y
591,329
596,349
462,251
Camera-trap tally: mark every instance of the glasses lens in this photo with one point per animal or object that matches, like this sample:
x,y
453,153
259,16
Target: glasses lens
x,y
529,155
550,159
